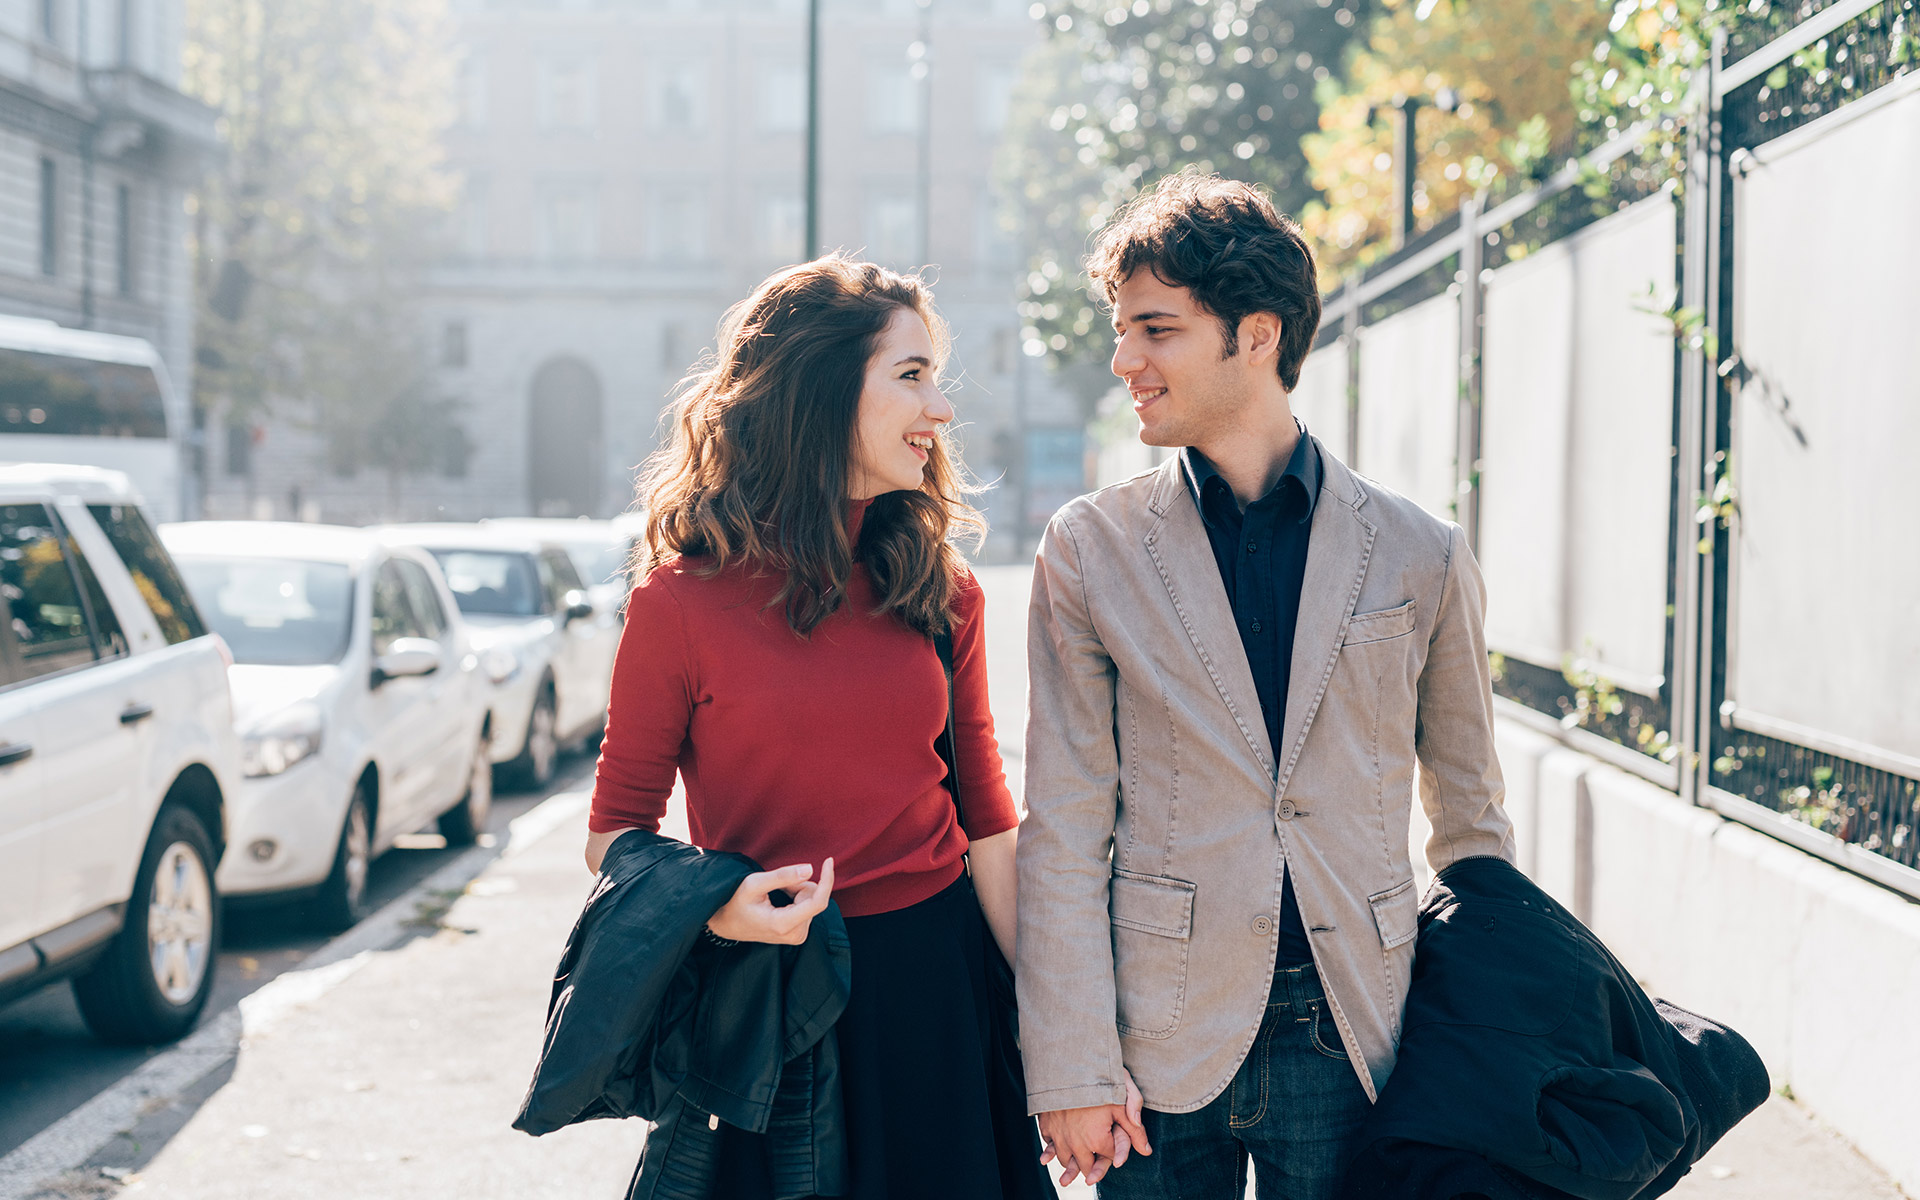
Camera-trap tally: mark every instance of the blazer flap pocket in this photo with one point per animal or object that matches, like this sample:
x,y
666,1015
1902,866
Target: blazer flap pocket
x,y
1379,626
1396,914
1153,904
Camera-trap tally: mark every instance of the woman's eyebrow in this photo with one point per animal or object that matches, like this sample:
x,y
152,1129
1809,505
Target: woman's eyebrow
x,y
914,358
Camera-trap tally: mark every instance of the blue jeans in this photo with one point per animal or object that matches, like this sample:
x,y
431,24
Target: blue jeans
x,y
1294,1107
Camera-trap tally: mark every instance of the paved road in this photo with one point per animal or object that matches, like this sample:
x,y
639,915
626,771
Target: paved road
x,y
50,1064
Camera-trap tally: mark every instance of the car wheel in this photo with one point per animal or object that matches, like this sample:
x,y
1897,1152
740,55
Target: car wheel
x,y
462,824
534,767
342,900
155,977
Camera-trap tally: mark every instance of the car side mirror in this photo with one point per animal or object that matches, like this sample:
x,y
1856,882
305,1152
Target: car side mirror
x,y
406,657
579,606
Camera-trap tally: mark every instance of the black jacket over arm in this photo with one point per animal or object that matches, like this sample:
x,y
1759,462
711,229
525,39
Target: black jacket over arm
x,y
648,1019
1532,1065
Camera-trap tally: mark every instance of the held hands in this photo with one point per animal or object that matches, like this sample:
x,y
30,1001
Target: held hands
x,y
1091,1141
751,915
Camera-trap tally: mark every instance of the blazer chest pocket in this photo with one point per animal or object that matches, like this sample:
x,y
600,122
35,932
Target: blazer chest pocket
x,y
1152,932
1385,625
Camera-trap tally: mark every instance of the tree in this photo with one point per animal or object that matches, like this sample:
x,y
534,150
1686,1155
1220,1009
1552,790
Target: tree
x,y
309,235
1126,93
1509,120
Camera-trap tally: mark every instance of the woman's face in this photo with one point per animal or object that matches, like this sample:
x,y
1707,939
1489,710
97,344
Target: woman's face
x,y
901,406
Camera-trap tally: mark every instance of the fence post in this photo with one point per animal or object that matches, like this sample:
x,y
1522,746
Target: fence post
x,y
1467,462
1699,426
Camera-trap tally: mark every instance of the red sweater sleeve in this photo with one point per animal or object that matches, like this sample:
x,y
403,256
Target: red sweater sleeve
x,y
986,805
647,713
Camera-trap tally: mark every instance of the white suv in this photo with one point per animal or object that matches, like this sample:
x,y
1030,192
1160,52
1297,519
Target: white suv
x,y
117,758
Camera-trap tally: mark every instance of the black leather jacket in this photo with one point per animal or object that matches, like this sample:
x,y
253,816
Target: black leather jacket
x,y
1531,1064
648,1019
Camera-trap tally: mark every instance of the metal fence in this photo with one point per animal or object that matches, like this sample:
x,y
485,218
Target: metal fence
x,y
1673,416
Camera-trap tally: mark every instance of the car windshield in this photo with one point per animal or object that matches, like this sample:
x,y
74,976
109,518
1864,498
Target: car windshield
x,y
492,583
598,562
272,611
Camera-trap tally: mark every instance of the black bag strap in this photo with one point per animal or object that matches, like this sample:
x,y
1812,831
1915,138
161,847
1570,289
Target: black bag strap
x,y
949,751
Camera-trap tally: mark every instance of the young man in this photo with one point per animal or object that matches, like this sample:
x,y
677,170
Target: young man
x,y
1236,661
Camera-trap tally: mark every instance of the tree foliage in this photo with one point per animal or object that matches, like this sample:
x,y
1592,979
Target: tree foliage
x,y
1508,63
1124,93
309,234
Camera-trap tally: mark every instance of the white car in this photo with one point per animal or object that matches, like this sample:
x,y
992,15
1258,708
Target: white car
x,y
545,644
118,760
360,702
601,552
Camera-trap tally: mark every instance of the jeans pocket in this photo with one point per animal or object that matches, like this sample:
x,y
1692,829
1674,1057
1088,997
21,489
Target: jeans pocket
x,y
1324,1035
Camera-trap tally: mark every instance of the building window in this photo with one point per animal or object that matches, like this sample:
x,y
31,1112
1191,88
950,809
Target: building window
x,y
783,217
893,99
471,232
993,95
50,21
49,195
239,449
123,239
892,229
125,30
679,96
783,98
569,229
453,344
567,94
677,224
473,92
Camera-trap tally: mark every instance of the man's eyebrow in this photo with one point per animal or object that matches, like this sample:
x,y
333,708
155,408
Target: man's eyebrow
x,y
1153,316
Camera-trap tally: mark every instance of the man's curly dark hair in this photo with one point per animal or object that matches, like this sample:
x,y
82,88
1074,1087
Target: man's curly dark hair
x,y
1226,243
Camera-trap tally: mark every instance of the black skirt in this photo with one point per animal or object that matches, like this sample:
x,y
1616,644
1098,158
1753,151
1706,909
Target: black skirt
x,y
928,1113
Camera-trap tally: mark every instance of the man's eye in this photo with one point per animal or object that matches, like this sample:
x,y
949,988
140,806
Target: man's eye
x,y
1156,330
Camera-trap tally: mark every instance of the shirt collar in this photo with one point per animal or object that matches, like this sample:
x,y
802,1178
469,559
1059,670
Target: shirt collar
x,y
1303,468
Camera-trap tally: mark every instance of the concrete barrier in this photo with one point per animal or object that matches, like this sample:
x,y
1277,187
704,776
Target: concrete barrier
x,y
1818,968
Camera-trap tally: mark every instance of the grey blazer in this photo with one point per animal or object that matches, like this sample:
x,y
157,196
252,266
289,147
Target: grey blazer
x,y
1159,819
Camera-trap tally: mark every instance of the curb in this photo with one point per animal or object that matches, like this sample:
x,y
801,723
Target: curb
x,y
69,1142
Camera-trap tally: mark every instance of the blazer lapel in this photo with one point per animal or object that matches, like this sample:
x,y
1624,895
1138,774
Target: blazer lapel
x,y
1177,543
1337,556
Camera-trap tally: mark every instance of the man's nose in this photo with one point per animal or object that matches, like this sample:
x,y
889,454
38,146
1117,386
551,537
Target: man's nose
x,y
1126,361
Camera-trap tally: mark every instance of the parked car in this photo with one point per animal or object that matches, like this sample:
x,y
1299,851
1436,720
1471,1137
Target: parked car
x,y
361,705
540,635
601,552
118,760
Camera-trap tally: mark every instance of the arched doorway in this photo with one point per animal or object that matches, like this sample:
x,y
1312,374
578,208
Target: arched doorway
x,y
564,440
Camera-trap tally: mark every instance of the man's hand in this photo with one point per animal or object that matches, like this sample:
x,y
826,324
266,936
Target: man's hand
x,y
1091,1141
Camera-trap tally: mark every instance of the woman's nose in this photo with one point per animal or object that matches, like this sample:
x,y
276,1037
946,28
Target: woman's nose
x,y
939,408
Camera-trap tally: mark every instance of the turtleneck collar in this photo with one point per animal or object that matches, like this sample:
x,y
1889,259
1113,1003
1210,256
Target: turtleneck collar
x,y
856,517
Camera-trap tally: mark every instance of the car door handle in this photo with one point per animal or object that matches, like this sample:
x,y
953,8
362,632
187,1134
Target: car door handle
x,y
14,752
133,714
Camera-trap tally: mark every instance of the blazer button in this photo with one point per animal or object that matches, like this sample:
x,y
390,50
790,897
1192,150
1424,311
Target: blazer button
x,y
1263,925
1287,810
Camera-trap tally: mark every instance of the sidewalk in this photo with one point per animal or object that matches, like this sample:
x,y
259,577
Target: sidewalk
x,y
400,1080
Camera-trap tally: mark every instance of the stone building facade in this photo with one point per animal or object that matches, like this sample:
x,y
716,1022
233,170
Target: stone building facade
x,y
633,167
99,150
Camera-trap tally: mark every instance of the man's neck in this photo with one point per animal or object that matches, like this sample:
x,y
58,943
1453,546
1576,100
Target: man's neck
x,y
1252,454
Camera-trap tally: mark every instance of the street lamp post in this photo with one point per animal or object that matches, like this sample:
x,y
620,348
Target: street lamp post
x,y
813,130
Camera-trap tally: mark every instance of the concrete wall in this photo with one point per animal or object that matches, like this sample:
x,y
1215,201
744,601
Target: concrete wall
x,y
1818,968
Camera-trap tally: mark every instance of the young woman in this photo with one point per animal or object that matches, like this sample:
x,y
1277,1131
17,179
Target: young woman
x,y
778,658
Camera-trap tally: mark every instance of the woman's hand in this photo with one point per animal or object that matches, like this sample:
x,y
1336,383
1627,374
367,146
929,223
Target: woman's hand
x,y
751,915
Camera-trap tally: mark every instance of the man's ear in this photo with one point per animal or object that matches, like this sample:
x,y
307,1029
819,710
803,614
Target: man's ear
x,y
1260,334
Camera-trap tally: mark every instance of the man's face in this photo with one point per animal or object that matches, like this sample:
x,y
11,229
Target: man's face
x,y
1171,354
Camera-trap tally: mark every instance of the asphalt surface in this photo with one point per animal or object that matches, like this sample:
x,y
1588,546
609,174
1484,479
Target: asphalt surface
x,y
50,1064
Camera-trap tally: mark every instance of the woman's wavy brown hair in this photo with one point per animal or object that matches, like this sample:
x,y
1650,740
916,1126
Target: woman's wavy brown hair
x,y
757,469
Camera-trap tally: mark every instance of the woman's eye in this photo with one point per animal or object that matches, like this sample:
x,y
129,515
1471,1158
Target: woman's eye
x,y
913,375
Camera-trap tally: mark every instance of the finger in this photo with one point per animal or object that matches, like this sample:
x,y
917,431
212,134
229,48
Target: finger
x,y
1047,1155
1122,1145
764,883
826,881
1101,1165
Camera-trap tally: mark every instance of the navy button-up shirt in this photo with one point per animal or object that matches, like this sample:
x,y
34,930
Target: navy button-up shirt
x,y
1262,557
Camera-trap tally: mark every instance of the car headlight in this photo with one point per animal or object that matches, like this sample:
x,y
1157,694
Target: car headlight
x,y
283,740
500,664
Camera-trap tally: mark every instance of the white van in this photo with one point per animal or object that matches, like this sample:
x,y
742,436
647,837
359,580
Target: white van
x,y
117,758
